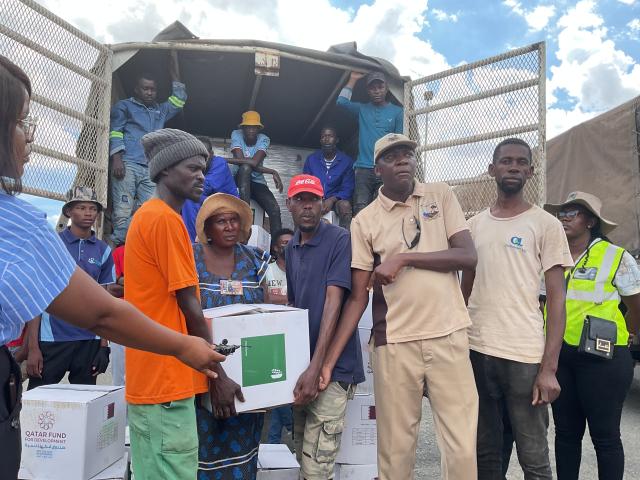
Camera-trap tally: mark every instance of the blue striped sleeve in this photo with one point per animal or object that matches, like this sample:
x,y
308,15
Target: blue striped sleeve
x,y
108,268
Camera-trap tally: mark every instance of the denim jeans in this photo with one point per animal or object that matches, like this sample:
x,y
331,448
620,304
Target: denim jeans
x,y
366,189
280,417
127,195
261,194
508,384
593,392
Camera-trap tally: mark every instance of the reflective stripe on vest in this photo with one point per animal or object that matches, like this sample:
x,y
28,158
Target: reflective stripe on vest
x,y
591,292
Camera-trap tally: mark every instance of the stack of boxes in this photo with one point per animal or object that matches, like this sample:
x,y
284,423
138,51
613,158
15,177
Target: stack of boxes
x,y
357,459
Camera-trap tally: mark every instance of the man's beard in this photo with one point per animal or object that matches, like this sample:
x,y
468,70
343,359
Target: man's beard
x,y
511,188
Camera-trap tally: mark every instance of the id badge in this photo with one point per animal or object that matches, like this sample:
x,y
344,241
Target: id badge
x,y
230,287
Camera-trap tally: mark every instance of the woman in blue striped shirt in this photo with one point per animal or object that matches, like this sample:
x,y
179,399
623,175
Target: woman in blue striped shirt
x,y
37,274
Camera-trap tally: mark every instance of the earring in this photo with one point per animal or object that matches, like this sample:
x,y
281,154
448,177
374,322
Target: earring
x,y
210,241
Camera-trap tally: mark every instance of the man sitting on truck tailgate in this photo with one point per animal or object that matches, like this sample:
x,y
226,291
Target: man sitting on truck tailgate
x,y
375,120
335,170
249,149
130,120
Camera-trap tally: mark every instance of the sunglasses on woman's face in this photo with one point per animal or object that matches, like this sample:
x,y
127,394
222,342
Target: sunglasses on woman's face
x,y
568,214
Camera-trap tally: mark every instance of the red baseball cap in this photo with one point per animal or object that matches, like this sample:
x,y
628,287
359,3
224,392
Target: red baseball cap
x,y
305,183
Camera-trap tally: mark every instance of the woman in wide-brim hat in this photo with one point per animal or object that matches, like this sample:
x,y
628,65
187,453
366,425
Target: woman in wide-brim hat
x,y
594,388
229,272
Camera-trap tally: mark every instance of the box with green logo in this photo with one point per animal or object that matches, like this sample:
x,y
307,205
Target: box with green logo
x,y
273,350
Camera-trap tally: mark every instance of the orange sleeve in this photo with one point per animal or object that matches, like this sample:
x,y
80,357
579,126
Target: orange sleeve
x,y
174,253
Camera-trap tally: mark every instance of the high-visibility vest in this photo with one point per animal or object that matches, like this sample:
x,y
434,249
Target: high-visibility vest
x,y
590,291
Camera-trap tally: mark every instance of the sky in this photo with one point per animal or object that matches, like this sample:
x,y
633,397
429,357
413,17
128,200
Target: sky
x,y
593,48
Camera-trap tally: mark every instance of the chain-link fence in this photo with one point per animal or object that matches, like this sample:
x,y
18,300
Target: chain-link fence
x,y
459,116
71,79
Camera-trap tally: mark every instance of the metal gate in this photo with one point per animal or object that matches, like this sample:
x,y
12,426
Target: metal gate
x,y
459,116
71,77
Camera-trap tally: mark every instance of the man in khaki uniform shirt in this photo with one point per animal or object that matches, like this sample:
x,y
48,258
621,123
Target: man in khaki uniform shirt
x,y
408,244
513,362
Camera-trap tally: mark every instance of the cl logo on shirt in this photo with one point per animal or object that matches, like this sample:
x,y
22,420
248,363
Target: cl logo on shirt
x,y
92,261
516,242
430,211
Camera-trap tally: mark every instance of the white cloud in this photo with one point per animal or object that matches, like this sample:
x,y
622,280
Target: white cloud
x,y
634,25
627,2
443,16
537,18
386,28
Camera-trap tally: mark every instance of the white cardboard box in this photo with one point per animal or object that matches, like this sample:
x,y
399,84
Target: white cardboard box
x,y
359,438
356,472
366,387
274,351
276,462
117,471
260,238
331,217
71,432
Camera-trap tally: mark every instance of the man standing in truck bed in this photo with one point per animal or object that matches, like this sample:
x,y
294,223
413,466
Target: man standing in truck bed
x,y
132,118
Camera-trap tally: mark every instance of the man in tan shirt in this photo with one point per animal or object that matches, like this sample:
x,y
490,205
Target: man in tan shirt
x,y
408,244
513,362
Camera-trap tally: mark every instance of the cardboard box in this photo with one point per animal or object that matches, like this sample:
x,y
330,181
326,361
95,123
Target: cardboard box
x,y
260,238
356,472
359,437
116,471
71,432
276,462
366,387
331,217
258,213
274,351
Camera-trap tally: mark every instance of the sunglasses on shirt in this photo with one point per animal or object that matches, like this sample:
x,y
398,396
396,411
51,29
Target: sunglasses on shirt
x,y
416,238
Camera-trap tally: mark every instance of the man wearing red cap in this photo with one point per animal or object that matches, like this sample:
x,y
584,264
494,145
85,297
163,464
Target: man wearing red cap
x,y
319,279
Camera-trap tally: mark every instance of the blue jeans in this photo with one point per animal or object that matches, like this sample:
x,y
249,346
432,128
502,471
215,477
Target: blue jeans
x,y
280,417
128,194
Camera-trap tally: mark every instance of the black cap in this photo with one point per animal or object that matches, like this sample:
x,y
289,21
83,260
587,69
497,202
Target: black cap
x,y
373,76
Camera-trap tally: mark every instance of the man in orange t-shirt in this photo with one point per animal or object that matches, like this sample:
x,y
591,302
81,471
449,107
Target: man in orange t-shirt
x,y
162,282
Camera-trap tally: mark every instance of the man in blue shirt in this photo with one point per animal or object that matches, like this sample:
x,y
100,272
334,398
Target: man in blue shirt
x,y
375,119
249,148
56,347
335,170
318,265
131,118
217,179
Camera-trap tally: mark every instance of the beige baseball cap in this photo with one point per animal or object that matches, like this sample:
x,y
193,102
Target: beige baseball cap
x,y
588,201
389,141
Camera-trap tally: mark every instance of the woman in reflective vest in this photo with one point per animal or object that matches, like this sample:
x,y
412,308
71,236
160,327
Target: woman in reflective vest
x,y
594,388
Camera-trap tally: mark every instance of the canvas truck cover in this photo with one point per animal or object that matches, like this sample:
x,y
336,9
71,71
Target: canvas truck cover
x,y
600,156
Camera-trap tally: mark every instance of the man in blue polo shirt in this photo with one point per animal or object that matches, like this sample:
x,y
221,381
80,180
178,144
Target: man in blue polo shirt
x,y
335,170
56,347
375,119
217,179
319,279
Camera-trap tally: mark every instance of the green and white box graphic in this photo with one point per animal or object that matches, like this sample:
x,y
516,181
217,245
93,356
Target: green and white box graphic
x,y
264,360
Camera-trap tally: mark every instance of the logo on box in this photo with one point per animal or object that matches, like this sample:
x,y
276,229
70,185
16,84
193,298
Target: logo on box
x,y
263,360
46,420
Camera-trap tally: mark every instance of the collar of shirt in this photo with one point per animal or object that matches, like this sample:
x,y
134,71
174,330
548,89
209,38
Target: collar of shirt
x,y
69,237
313,241
388,204
137,102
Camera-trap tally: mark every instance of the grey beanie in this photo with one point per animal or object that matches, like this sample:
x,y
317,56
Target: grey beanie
x,y
168,146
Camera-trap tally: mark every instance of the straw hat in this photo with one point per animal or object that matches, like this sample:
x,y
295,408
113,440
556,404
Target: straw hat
x,y
588,201
219,203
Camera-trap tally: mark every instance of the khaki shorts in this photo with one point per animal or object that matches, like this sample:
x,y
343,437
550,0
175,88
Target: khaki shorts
x,y
164,440
317,431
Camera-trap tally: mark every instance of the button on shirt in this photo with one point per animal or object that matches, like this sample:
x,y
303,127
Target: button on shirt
x,y
35,266
338,180
321,262
131,120
420,304
248,151
94,257
374,123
